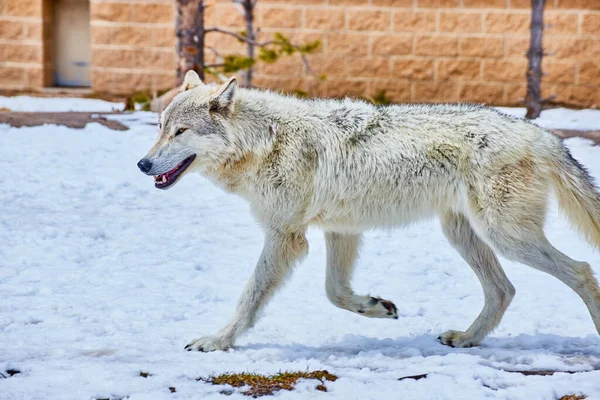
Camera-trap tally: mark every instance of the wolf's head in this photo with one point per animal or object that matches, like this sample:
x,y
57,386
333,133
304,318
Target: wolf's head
x,y
192,131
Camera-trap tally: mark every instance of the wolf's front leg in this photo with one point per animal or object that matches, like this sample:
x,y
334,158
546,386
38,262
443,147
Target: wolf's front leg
x,y
281,250
342,250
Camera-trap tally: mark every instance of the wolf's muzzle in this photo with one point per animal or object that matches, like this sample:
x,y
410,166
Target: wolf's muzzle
x,y
145,165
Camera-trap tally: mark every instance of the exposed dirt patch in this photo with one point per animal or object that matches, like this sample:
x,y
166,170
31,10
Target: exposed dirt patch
x,y
569,133
264,385
76,120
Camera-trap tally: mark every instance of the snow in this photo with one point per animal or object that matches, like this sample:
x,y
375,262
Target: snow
x,y
57,104
102,277
561,118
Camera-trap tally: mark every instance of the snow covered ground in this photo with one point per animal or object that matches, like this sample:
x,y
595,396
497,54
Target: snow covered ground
x,y
59,104
102,276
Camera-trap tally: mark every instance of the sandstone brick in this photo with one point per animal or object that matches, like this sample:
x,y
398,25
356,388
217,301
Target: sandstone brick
x,y
558,23
163,81
579,4
100,34
11,30
33,31
280,84
514,93
524,4
228,15
580,96
112,58
132,35
337,87
590,24
163,36
128,83
487,93
303,2
113,12
391,45
516,47
504,70
24,8
25,53
414,69
155,59
350,44
577,48
392,3
589,72
428,92
330,66
460,22
12,76
453,69
291,66
481,47
506,23
154,13
224,43
436,46
558,71
210,14
35,77
369,67
484,3
369,20
349,2
438,3
414,21
282,17
101,81
325,19
394,90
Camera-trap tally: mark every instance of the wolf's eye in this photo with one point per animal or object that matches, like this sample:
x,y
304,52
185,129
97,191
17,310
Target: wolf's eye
x,y
159,125
180,131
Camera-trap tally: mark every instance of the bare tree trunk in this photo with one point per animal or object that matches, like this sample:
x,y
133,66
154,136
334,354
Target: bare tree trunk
x,y
190,37
248,6
533,99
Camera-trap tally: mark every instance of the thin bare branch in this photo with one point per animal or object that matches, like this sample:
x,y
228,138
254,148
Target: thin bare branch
x,y
305,61
216,53
239,37
218,65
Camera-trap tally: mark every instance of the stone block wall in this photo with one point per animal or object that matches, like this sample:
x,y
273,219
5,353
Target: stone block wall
x,y
415,50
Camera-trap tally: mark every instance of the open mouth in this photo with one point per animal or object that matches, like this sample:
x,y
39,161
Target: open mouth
x,y
165,180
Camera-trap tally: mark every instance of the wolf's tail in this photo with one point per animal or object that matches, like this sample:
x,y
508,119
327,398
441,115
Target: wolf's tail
x,y
577,195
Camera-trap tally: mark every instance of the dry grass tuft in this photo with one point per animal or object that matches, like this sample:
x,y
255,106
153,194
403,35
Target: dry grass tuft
x,y
264,385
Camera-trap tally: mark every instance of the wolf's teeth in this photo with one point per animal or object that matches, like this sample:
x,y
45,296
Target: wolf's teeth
x,y
164,179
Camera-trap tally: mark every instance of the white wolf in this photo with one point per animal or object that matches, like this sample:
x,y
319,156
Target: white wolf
x,y
348,166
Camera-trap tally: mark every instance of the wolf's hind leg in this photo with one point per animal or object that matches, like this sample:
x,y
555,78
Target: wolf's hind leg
x,y
497,289
531,247
342,250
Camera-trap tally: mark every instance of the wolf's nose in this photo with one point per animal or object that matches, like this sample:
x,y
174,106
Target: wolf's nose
x,y
144,165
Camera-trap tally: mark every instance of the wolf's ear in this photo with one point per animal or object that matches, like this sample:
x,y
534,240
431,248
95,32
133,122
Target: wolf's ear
x,y
222,101
190,81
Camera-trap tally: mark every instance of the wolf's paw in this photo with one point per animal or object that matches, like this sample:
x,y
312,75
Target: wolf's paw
x,y
457,339
379,308
209,343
